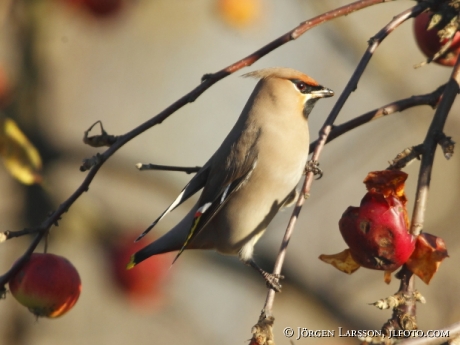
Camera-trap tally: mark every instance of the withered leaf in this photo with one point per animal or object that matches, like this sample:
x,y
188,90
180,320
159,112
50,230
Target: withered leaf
x,y
429,252
343,261
387,182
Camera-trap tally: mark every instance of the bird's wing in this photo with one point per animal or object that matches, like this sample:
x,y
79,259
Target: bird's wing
x,y
195,184
209,209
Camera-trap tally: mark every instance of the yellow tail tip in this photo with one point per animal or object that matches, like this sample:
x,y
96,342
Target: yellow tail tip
x,y
131,263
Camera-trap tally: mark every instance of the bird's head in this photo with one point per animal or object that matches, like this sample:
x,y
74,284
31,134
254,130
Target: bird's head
x,y
287,85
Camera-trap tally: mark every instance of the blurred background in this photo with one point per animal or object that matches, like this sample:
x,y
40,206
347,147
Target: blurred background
x,y
64,64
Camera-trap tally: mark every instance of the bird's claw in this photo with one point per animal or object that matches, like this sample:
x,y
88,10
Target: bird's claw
x,y
313,166
272,281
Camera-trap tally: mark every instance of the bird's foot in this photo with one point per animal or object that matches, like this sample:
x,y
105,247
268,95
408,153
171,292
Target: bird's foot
x,y
271,279
313,166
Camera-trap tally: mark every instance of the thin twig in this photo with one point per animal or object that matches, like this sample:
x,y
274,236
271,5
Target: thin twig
x,y
324,133
406,157
403,316
26,231
430,143
46,225
150,166
431,99
207,82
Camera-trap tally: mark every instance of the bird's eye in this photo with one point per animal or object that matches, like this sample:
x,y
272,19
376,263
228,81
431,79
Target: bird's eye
x,y
301,86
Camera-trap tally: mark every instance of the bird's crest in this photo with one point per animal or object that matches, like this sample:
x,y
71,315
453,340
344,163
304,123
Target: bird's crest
x,y
280,72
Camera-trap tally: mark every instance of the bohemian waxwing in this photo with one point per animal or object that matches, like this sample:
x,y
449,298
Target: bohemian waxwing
x,y
252,175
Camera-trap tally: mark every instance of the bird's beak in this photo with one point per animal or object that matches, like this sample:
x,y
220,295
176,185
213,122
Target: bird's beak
x,y
324,92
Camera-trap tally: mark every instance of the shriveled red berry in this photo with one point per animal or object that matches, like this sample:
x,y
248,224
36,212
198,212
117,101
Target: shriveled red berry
x,y
377,233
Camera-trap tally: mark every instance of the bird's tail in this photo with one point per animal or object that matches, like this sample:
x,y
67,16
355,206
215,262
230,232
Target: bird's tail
x,y
173,240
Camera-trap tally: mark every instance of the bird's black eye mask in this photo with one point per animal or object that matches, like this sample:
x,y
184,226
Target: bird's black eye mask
x,y
304,87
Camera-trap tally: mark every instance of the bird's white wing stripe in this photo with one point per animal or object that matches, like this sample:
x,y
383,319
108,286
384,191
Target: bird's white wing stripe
x,y
165,212
191,188
224,194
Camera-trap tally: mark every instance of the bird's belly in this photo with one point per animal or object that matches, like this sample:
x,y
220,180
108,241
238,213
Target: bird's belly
x,y
248,211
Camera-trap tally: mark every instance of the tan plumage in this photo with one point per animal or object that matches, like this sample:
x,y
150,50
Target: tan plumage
x,y
252,174
282,73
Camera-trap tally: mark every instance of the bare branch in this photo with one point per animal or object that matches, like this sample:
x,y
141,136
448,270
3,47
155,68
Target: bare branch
x,y
403,317
429,148
406,157
46,225
12,234
431,99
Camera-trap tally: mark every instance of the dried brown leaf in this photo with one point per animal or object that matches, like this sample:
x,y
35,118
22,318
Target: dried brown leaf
x,y
343,261
429,252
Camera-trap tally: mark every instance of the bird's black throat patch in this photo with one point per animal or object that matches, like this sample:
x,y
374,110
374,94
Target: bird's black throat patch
x,y
309,104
